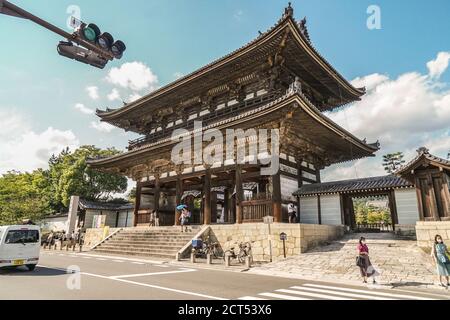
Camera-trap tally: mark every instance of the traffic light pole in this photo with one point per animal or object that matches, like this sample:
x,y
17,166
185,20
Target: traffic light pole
x,y
13,10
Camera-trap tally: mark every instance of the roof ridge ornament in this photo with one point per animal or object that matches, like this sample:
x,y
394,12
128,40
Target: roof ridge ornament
x,y
288,11
303,28
423,150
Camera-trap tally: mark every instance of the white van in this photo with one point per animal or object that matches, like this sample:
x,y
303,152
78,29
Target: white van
x,y
20,246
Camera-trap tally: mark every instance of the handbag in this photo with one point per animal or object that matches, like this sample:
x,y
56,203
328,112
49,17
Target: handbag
x,y
360,262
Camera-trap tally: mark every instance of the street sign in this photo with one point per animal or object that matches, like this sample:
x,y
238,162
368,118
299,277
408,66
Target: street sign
x,y
283,236
75,23
268,219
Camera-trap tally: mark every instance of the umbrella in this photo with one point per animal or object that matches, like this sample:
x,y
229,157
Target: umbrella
x,y
181,207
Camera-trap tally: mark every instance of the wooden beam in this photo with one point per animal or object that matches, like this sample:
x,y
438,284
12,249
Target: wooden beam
x,y
157,194
226,206
179,194
319,210
276,186
137,202
239,193
207,194
393,208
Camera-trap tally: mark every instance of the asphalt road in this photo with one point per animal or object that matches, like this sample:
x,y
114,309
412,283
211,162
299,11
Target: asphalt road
x,y
66,275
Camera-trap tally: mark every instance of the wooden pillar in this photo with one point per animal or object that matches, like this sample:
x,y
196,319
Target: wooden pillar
x,y
239,193
318,180
226,206
276,187
393,208
179,194
299,184
319,210
156,193
137,203
433,202
207,194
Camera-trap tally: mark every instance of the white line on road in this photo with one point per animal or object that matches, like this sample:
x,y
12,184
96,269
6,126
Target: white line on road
x,y
118,261
86,257
369,292
250,298
121,258
281,296
345,294
313,295
156,287
152,274
101,259
161,266
135,262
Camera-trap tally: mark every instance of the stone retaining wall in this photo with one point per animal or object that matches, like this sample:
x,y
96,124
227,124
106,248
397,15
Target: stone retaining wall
x,y
427,230
95,235
300,237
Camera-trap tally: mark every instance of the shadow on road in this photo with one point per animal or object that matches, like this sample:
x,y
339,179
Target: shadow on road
x,y
38,272
409,284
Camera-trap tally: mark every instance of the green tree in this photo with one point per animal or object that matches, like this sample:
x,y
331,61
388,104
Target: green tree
x,y
70,175
23,196
392,161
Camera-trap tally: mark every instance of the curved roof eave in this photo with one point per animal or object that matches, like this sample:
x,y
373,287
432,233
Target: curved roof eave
x,y
279,103
282,23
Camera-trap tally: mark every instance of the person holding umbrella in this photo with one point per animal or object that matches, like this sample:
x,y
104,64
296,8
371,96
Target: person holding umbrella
x,y
184,216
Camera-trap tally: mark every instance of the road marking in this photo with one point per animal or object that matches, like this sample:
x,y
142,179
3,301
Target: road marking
x,y
118,261
122,258
156,287
313,295
281,296
250,298
135,262
353,295
161,266
86,257
101,259
61,255
152,273
369,292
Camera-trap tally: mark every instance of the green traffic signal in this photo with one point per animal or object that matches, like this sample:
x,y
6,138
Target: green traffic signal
x,y
91,32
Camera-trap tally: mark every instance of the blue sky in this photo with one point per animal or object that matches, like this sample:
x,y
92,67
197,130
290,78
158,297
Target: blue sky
x,y
39,89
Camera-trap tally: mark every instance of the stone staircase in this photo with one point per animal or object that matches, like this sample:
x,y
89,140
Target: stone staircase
x,y
159,242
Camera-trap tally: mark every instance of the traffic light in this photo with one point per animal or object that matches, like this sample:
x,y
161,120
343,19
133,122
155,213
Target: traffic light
x,y
67,49
105,41
101,46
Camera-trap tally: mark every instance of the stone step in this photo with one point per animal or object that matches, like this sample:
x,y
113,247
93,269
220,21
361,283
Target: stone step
x,y
146,246
158,242
162,240
143,254
156,234
143,250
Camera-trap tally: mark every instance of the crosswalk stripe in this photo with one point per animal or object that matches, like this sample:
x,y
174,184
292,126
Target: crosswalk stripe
x,y
313,295
345,294
385,294
281,296
135,262
250,298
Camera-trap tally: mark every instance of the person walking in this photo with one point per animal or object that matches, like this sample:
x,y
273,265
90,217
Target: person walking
x,y
152,218
292,214
156,218
363,261
440,255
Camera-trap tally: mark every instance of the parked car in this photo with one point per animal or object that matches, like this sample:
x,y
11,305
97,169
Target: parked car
x,y
19,246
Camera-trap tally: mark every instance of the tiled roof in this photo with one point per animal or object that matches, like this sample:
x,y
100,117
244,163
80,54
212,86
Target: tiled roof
x,y
423,154
354,185
98,205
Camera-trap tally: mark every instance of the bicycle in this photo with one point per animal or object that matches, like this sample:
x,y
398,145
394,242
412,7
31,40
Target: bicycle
x,y
209,247
245,250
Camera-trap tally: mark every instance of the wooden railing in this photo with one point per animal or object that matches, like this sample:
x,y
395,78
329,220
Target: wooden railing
x,y
374,227
256,210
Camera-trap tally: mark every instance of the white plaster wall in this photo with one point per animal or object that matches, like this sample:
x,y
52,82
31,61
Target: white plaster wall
x,y
308,210
330,209
407,206
288,187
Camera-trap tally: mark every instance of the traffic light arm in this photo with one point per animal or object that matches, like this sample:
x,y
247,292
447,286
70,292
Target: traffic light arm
x,y
13,10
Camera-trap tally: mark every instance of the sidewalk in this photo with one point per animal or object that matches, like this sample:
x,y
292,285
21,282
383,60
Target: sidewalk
x,y
400,262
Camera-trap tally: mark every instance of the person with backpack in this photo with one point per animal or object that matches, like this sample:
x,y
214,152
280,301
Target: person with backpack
x,y
440,255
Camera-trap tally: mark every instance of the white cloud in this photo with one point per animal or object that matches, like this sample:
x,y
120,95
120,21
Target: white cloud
x,y
238,14
83,109
114,95
93,92
23,149
439,65
404,113
133,75
102,126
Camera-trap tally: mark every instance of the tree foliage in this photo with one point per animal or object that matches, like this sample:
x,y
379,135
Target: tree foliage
x,y
36,194
366,213
393,161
